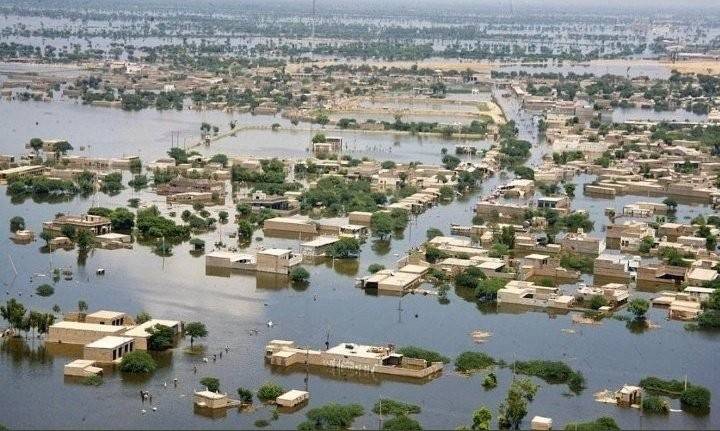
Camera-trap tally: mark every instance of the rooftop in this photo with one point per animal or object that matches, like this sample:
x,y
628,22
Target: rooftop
x,y
141,330
82,326
105,314
359,350
109,342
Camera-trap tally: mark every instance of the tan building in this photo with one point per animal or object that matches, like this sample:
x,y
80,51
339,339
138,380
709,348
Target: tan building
x,y
82,368
292,398
527,293
97,225
213,400
582,243
113,318
108,349
351,356
81,333
276,260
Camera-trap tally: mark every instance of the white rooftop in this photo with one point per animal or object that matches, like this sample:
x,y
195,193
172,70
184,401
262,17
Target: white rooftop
x,y
109,342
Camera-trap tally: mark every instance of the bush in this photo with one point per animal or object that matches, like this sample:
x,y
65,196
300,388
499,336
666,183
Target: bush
x,y
386,406
211,383
639,307
299,275
420,353
433,232
487,289
161,337
45,290
696,398
596,302
433,254
261,423
553,372
245,395
401,423
332,416
468,362
375,267
655,405
138,362
490,381
269,391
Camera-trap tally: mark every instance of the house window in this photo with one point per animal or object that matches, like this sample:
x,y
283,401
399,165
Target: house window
x,y
114,354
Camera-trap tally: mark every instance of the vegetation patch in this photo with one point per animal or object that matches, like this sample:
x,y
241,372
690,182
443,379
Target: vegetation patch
x,y
332,417
386,406
553,372
468,362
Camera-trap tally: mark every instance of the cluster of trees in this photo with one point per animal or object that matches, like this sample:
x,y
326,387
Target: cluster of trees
x,y
122,219
153,225
338,196
22,319
384,223
694,398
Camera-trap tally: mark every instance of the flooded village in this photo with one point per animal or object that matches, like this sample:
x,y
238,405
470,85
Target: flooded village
x,y
225,220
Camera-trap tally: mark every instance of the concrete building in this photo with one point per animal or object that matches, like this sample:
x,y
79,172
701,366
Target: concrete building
x,y
21,171
108,349
292,398
226,259
404,279
276,260
97,225
612,266
82,368
113,318
527,293
259,200
582,243
614,293
317,247
372,359
540,423
213,400
81,333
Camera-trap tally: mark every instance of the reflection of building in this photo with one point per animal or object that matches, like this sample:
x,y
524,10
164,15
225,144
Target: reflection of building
x,y
373,359
277,260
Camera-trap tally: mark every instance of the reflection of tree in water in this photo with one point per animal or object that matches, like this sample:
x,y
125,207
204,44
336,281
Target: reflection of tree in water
x,y
18,351
345,266
381,247
468,294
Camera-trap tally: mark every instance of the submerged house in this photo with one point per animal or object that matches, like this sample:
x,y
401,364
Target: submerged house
x,y
528,293
97,225
371,359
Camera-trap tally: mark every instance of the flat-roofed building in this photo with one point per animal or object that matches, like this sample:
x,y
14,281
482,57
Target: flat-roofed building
x,y
114,318
582,243
108,349
276,260
318,247
226,259
97,225
82,368
21,171
527,293
81,333
292,398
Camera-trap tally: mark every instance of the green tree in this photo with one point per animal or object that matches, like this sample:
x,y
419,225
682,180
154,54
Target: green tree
x,y
245,230
332,417
512,411
211,383
638,307
36,144
600,424
82,306
195,330
137,362
381,224
375,267
45,290
401,423
84,239
142,317
122,219
299,275
481,419
319,138
433,232
344,248
17,223
245,395
13,311
269,391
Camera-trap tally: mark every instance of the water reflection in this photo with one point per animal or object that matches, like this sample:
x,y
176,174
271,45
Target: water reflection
x,y
21,351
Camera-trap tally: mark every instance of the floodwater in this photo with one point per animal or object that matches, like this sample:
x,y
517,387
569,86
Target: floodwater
x,y
177,287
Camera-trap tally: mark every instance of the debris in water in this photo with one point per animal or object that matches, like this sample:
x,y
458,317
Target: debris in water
x,y
479,336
